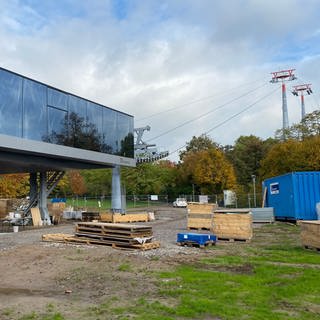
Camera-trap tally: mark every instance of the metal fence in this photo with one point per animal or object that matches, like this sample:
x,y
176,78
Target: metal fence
x,y
241,200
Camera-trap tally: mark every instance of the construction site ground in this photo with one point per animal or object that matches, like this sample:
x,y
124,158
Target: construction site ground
x,y
40,278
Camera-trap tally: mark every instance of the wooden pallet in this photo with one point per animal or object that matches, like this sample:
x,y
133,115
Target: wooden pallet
x,y
114,229
193,228
67,238
195,244
312,248
233,239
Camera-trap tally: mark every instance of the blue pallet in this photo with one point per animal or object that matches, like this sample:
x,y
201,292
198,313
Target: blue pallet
x,y
200,239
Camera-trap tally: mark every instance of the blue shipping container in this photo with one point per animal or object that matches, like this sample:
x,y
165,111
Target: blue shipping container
x,y
294,195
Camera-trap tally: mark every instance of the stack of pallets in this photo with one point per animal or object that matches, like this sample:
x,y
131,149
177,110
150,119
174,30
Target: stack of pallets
x,y
116,235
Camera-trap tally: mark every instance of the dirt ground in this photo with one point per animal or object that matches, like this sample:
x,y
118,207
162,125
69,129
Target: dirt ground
x,y
36,274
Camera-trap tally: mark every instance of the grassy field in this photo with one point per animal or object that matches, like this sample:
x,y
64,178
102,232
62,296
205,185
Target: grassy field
x,y
272,277
105,204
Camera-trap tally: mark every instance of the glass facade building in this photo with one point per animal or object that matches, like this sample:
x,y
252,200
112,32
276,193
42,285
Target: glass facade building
x,y
35,111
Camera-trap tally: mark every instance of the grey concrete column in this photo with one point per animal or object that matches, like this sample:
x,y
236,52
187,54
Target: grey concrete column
x,y
43,198
116,190
33,186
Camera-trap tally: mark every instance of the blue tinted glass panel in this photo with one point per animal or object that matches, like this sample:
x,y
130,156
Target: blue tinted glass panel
x,y
78,106
57,126
35,107
94,116
110,131
35,111
57,99
10,104
125,135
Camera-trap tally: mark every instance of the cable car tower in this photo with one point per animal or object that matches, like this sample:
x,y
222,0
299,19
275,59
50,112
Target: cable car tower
x,y
284,75
300,89
144,152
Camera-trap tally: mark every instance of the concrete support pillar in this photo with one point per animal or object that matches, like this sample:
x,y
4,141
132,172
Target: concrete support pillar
x,y
33,186
303,109
285,117
43,198
116,190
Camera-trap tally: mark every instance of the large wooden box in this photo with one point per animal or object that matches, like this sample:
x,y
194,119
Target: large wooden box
x,y
310,233
200,215
201,208
124,218
237,226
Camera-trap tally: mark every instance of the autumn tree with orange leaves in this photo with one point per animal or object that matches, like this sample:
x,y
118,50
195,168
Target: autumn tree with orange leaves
x,y
77,183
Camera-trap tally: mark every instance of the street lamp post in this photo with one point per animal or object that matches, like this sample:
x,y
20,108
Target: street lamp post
x,y
254,190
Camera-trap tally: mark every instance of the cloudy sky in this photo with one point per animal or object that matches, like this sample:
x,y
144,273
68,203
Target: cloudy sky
x,y
184,67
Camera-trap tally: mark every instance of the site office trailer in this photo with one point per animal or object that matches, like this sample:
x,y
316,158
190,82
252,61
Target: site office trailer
x,y
294,195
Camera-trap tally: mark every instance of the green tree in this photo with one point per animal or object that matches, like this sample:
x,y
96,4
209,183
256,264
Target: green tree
x,y
97,181
150,178
205,166
202,142
308,127
246,156
292,155
213,173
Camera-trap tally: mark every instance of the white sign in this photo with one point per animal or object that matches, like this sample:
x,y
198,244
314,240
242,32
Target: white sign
x,y
274,188
229,197
154,197
203,199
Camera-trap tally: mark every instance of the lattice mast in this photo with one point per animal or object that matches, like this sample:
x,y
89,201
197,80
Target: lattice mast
x,y
145,152
283,76
299,90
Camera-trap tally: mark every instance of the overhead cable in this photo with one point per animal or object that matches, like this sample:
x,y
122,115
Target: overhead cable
x,y
194,101
207,113
231,117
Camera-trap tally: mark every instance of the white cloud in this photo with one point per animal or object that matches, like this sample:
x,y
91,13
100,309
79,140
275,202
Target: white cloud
x,y
151,56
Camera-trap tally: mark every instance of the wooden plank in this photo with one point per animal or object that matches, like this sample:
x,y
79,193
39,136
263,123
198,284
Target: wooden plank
x,y
56,237
264,197
36,217
131,217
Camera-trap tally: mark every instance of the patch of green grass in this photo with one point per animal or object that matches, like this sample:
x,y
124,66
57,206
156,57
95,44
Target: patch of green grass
x,y
124,267
7,311
238,287
45,316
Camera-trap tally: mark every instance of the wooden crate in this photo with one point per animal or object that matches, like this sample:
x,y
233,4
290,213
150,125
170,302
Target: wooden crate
x,y
201,208
56,210
310,234
6,205
124,218
200,215
237,226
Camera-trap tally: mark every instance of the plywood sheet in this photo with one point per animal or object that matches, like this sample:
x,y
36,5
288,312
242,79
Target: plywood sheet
x,y
36,217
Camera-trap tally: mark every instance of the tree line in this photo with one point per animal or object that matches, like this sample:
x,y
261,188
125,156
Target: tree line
x,y
204,166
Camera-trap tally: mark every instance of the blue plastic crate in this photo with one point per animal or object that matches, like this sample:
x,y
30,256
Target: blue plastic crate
x,y
196,238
